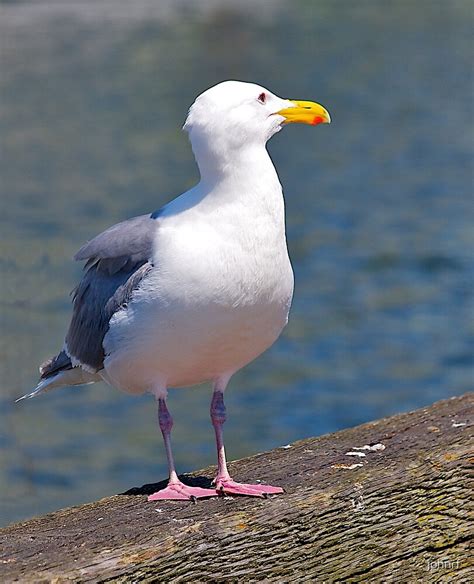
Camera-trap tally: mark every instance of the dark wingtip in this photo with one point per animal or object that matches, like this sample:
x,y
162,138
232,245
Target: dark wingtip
x,y
158,213
57,363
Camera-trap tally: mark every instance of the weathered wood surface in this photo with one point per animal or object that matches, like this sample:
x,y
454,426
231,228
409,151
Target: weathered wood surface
x,y
398,514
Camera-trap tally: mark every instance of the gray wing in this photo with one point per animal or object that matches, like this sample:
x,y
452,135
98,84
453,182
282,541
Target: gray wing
x,y
117,261
120,246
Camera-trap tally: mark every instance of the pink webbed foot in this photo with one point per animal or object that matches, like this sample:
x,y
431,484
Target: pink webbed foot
x,y
177,490
231,487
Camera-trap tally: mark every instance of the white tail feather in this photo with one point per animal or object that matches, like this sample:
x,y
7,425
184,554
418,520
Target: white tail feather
x,y
75,376
43,386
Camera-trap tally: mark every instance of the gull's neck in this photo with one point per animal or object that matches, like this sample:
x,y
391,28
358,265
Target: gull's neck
x,y
244,190
246,168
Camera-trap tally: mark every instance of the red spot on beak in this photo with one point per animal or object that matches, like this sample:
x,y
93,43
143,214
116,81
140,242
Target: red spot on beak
x,y
317,120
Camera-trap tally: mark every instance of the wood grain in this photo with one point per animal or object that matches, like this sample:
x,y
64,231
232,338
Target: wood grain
x,y
401,513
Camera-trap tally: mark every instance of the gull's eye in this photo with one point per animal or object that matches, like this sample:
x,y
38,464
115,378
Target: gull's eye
x,y
262,98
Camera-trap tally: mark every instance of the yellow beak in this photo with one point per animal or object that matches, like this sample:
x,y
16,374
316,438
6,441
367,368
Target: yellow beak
x,y
305,112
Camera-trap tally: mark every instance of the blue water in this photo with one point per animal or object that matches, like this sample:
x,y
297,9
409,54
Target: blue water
x,y
379,218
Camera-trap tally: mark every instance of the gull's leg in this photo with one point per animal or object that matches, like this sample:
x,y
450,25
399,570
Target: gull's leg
x,y
224,482
175,488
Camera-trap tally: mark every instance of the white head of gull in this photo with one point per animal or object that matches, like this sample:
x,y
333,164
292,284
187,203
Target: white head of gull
x,y
196,290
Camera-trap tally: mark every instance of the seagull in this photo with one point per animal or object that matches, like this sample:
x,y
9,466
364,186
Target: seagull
x,y
198,289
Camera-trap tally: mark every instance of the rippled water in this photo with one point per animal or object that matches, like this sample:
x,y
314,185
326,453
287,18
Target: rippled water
x,y
379,214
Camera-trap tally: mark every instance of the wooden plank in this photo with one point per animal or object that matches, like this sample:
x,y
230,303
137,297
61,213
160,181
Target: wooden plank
x,y
399,513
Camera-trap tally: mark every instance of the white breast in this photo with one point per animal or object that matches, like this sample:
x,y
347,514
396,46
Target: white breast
x,y
219,296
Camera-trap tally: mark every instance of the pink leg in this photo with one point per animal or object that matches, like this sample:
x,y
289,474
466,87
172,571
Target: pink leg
x,y
175,489
224,482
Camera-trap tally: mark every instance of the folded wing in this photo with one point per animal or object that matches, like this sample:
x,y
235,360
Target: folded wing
x,y
117,261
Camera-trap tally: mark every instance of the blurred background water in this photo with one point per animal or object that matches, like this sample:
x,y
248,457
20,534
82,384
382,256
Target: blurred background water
x,y
379,218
